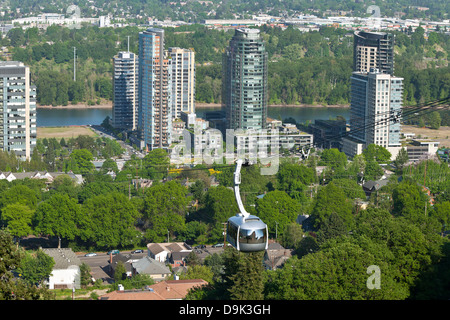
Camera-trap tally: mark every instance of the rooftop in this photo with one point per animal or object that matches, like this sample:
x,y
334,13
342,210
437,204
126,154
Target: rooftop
x,y
164,290
63,257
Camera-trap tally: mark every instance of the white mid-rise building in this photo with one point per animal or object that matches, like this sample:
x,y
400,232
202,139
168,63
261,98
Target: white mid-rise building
x,y
375,110
17,109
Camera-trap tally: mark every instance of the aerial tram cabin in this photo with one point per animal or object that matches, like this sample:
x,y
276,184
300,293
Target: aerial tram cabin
x,y
245,232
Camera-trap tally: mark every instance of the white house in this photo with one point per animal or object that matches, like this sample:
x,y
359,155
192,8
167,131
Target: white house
x,y
161,251
66,271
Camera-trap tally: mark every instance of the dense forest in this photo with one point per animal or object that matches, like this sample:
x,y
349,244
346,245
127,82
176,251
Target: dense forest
x,y
402,230
304,68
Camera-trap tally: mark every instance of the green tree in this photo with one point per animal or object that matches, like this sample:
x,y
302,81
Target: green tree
x,y
220,205
35,268
120,273
155,165
338,272
108,221
164,210
435,120
58,216
292,235
198,272
331,199
377,153
12,288
409,249
16,36
82,161
373,170
277,208
333,158
18,218
245,275
294,178
85,275
351,188
109,165
442,214
21,194
332,227
307,245
65,184
401,159
409,202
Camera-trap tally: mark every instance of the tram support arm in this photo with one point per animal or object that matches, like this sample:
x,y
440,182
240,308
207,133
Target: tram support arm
x,y
237,182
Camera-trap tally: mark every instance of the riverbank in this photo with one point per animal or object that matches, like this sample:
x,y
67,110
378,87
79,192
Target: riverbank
x,y
217,105
108,105
78,106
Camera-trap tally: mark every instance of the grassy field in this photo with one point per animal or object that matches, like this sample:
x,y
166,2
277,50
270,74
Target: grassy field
x,y
442,135
63,132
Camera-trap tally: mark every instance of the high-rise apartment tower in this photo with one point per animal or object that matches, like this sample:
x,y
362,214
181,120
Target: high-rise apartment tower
x,y
376,101
182,63
17,109
155,114
245,80
125,87
373,50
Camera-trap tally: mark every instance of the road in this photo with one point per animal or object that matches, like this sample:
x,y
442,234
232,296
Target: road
x,y
129,149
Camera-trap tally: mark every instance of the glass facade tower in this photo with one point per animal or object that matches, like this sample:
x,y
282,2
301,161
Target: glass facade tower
x,y
245,81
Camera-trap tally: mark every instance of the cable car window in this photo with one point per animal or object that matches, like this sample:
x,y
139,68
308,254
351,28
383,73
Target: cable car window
x,y
232,231
252,236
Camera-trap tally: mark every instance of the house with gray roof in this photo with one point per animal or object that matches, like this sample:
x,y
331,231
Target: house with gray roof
x,y
371,186
155,269
125,259
66,271
275,256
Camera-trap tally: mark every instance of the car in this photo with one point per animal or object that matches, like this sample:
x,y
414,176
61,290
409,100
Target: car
x,y
137,251
113,252
218,245
90,254
200,246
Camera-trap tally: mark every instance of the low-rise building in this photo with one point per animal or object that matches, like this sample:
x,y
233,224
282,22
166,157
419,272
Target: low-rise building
x,y
162,251
49,177
164,290
421,149
125,259
156,270
66,271
275,256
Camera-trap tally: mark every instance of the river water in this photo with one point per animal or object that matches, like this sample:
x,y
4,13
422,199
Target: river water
x,y
68,117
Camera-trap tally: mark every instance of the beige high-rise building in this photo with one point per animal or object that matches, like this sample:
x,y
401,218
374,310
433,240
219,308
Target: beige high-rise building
x,y
183,81
154,89
373,50
17,109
